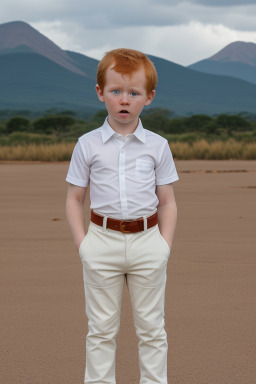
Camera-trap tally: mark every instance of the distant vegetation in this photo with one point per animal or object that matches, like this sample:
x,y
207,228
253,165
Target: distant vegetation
x,y
52,137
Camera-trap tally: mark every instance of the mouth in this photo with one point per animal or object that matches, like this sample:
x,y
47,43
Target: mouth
x,y
123,111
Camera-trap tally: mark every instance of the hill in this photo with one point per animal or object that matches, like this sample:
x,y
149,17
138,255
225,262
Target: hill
x,y
36,74
238,60
32,81
18,36
238,51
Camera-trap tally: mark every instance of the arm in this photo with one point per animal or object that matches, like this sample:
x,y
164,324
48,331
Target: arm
x,y
167,212
75,212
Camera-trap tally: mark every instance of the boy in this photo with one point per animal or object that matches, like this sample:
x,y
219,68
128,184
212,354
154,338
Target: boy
x,y
133,218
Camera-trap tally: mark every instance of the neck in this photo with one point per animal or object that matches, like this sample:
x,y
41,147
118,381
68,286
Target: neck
x,y
124,129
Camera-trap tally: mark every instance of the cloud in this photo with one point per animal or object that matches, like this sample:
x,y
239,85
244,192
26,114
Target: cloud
x,y
180,31
215,3
223,3
102,14
182,44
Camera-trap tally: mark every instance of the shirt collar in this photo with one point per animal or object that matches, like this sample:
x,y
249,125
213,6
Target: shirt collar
x,y
107,132
140,132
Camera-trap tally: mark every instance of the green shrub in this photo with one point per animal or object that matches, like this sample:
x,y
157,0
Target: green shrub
x,y
17,124
3,130
99,117
53,124
233,123
24,138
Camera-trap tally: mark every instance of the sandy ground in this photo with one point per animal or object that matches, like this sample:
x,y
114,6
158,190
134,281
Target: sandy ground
x,y
211,287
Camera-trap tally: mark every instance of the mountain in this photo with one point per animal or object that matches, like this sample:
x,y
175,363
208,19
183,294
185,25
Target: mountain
x,y
238,51
199,92
21,37
238,60
32,81
36,74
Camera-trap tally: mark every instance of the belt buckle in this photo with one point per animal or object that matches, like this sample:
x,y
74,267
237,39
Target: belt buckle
x,y
122,224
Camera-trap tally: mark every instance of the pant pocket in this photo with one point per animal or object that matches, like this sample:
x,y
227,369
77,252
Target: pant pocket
x,y
164,242
82,246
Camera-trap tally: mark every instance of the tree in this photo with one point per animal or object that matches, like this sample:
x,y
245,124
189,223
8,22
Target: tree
x,y
53,124
67,112
159,111
198,122
233,123
99,117
17,124
178,125
155,122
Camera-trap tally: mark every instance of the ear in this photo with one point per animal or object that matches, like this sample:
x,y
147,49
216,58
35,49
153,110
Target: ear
x,y
150,97
100,93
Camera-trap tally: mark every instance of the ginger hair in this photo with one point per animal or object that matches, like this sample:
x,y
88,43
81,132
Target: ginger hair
x,y
127,61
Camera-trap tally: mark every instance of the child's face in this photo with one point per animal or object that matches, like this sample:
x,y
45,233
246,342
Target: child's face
x,y
124,97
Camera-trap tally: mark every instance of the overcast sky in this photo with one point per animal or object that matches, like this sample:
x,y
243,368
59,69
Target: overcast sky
x,y
181,31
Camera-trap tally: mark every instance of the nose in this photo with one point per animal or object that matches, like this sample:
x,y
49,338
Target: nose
x,y
124,98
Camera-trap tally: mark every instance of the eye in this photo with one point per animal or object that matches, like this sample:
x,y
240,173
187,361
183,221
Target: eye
x,y
133,93
115,92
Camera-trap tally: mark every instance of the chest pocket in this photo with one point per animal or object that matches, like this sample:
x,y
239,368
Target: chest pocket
x,y
144,169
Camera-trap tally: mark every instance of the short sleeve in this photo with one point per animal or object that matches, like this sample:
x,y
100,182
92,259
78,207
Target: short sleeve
x,y
165,169
79,170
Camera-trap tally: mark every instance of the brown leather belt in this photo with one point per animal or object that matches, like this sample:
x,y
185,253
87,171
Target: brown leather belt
x,y
125,226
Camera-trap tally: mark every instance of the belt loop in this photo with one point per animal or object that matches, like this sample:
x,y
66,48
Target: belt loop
x,y
145,223
104,225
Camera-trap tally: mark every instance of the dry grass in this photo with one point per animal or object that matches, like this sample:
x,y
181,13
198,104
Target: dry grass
x,y
217,150
41,152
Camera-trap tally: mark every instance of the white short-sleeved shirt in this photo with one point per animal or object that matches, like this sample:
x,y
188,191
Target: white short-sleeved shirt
x,y
122,171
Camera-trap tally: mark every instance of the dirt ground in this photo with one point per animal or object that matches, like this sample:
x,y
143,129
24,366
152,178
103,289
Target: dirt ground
x,y
211,286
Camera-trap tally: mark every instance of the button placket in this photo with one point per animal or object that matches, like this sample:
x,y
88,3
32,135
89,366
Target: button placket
x,y
122,186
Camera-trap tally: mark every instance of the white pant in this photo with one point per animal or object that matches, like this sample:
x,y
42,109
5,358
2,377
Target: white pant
x,y
109,258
